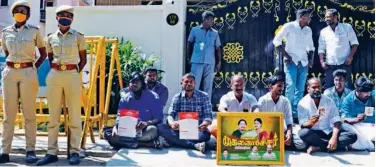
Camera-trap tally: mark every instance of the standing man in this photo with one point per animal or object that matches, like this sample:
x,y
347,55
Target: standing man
x,y
338,92
320,122
334,47
189,100
149,116
298,55
20,79
67,57
204,52
154,85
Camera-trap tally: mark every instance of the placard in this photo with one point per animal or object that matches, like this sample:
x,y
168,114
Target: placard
x,y
188,125
127,123
250,138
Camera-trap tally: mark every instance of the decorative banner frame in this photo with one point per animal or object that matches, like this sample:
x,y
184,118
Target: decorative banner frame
x,y
248,148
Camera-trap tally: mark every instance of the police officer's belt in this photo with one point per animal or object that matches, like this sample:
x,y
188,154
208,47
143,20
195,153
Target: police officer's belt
x,y
19,65
64,67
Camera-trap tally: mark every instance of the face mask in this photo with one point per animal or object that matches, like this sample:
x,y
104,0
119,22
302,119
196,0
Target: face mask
x,y
64,21
19,17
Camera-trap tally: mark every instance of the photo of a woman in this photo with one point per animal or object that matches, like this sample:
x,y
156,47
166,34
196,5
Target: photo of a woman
x,y
242,124
262,134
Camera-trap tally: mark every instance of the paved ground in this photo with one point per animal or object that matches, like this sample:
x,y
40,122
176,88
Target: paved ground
x,y
96,154
179,157
18,160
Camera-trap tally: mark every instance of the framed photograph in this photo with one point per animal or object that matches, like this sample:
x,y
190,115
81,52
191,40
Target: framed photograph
x,y
250,138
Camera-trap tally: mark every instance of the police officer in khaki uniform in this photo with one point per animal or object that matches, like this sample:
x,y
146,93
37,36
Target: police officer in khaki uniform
x,y
67,55
19,78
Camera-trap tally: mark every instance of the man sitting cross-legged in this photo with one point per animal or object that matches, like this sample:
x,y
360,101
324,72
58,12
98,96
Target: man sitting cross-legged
x,y
274,101
320,121
188,100
150,111
358,109
237,100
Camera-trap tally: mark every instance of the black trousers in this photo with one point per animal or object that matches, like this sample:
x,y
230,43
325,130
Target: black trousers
x,y
320,139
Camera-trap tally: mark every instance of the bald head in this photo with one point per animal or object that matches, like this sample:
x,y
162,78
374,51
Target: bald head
x,y
237,84
314,80
314,88
237,77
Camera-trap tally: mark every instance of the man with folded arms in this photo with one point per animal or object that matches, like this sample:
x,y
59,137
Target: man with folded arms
x,y
189,100
358,109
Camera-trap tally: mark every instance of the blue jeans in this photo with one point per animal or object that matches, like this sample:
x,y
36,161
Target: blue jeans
x,y
296,76
172,137
204,72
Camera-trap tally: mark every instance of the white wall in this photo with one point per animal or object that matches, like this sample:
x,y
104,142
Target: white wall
x,y
7,19
146,26
140,24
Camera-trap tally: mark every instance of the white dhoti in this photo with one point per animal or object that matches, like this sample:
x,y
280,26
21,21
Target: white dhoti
x,y
365,133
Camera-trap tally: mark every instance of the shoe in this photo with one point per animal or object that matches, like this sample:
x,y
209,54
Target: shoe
x,y
200,147
31,157
4,158
158,144
74,159
47,160
163,142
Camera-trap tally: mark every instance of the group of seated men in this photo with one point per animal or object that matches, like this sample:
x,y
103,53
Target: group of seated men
x,y
339,119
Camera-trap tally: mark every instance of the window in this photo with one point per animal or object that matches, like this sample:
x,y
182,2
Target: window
x,y
49,4
4,3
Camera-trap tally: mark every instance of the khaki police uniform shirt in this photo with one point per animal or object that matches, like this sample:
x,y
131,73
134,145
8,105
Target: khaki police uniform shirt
x,y
66,47
20,43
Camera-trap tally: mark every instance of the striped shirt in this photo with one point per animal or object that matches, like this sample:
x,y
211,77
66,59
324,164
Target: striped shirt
x,y
199,102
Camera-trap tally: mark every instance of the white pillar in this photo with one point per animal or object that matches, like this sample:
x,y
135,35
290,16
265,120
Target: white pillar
x,y
172,46
35,12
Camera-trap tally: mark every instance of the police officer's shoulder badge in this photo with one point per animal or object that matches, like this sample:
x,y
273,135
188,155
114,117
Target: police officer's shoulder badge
x,y
33,26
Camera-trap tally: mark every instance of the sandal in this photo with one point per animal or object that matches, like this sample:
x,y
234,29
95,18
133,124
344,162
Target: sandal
x,y
201,147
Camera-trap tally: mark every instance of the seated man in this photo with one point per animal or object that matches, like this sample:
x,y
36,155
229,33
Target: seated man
x,y
358,109
321,125
235,101
149,116
154,85
274,101
189,100
338,92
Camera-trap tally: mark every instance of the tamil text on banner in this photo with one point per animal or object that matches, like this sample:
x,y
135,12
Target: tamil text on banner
x,y
127,123
250,138
188,125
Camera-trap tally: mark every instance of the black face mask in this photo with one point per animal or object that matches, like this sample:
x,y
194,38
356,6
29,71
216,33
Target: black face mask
x,y
315,95
63,21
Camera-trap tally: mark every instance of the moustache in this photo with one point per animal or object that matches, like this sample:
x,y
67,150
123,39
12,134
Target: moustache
x,y
315,95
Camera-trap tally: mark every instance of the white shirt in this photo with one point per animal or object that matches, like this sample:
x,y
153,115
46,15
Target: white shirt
x,y
298,41
269,156
266,104
232,104
307,108
336,45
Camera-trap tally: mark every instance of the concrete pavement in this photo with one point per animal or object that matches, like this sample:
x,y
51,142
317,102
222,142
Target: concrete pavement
x,y
174,157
